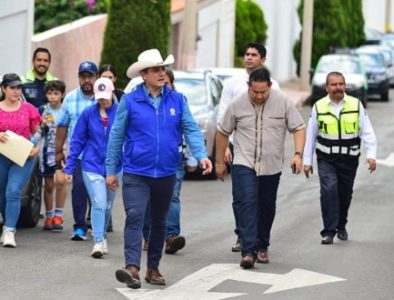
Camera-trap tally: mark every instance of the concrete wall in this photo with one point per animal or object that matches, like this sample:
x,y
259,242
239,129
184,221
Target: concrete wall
x,y
374,14
16,29
215,32
283,30
71,44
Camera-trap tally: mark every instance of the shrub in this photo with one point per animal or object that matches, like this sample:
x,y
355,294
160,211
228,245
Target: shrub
x,y
134,26
336,24
49,14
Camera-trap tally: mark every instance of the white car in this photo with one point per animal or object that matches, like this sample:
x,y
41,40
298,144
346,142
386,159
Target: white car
x,y
224,73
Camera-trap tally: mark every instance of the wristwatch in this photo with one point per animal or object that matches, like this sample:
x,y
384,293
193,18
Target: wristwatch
x,y
300,154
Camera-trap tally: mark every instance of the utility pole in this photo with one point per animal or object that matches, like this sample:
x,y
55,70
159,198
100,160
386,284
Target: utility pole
x,y
387,27
306,46
188,35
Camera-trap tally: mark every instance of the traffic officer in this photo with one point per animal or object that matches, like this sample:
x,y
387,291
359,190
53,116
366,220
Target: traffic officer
x,y
337,125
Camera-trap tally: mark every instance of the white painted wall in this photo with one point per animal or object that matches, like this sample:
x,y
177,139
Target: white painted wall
x,y
283,30
16,29
226,34
375,14
216,31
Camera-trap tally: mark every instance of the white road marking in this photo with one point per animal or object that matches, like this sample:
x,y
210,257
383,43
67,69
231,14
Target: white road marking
x,y
389,161
196,286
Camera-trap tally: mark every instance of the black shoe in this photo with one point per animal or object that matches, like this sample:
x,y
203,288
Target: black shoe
x,y
174,243
342,234
327,240
237,247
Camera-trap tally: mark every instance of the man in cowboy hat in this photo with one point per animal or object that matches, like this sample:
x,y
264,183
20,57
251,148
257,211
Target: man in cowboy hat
x,y
148,129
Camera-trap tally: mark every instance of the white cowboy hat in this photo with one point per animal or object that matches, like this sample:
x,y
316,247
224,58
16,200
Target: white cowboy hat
x,y
148,59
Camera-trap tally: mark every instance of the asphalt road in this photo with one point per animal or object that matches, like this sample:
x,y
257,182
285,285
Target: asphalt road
x,y
49,265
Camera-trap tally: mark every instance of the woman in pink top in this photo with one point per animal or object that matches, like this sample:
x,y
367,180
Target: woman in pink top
x,y
23,119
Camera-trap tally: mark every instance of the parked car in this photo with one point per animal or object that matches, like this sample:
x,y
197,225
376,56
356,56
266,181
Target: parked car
x,y
388,40
202,91
375,67
352,69
372,36
224,73
31,200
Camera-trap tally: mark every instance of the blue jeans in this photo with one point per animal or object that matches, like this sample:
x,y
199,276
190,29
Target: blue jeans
x,y
138,191
257,207
13,179
236,196
336,190
79,198
173,218
102,199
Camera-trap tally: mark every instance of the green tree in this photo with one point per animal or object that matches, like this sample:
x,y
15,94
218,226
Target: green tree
x,y
355,23
250,26
332,25
132,27
49,14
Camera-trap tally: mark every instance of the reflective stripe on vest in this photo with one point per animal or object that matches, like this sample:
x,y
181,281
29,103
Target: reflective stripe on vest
x,y
338,136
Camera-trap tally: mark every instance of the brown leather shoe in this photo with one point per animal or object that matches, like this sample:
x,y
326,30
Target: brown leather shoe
x,y
247,262
145,247
130,276
262,257
153,276
175,243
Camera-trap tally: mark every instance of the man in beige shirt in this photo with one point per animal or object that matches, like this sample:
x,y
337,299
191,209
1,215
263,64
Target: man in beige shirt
x,y
259,120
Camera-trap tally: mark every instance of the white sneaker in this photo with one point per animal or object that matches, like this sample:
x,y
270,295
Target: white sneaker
x,y
2,235
9,239
97,251
105,247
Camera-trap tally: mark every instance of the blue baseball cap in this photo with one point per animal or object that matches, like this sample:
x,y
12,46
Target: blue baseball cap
x,y
88,66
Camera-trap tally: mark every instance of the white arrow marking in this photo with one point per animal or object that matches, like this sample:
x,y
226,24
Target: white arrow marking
x,y
389,161
197,286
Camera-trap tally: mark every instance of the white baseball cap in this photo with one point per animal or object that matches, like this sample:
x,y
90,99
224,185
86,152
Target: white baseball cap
x,y
103,88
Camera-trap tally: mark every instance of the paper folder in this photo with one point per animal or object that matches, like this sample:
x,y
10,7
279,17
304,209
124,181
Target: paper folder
x,y
17,148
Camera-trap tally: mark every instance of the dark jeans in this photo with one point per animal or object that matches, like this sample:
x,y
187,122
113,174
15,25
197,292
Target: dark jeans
x,y
173,217
79,198
336,190
257,207
138,191
235,194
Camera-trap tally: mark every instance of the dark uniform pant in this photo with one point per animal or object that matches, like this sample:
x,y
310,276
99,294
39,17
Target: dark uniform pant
x,y
336,190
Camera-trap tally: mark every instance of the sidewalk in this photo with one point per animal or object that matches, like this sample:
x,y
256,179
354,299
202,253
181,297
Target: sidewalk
x,y
296,91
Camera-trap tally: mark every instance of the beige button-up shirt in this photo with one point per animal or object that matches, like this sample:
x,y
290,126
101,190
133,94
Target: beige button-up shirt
x,y
260,130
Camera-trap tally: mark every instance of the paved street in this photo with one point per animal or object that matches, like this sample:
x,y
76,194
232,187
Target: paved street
x,y
49,265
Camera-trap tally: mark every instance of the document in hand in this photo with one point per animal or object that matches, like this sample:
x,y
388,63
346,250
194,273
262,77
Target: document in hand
x,y
17,148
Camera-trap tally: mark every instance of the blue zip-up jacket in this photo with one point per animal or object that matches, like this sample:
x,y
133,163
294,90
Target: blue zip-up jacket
x,y
90,138
152,138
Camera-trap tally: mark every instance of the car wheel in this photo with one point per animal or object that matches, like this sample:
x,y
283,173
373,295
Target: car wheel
x,y
385,95
31,200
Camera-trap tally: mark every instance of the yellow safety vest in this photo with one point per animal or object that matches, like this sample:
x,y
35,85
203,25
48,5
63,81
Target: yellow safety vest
x,y
338,136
